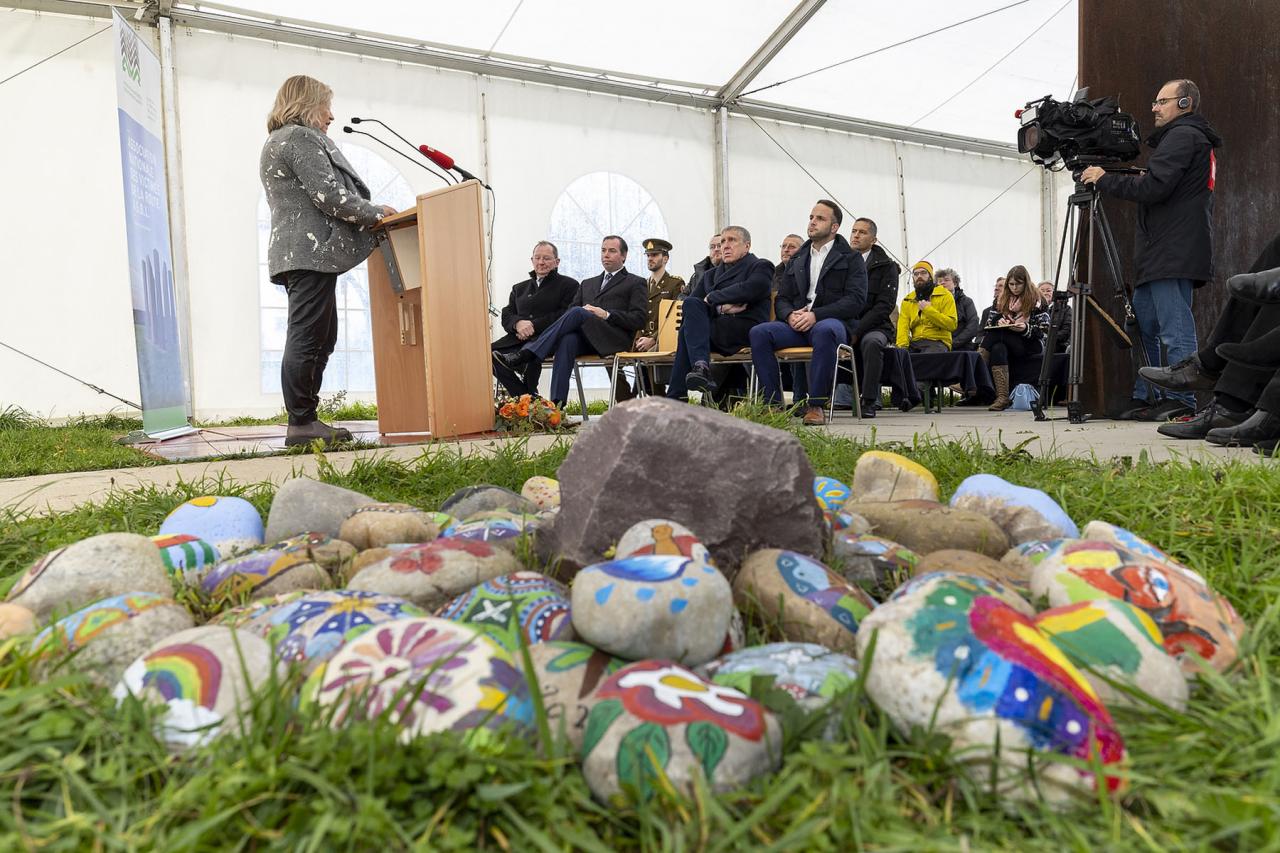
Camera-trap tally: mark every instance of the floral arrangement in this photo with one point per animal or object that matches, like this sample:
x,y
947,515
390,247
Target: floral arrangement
x,y
527,412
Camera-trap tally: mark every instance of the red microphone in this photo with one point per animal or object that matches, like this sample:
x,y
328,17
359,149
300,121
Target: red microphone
x,y
441,159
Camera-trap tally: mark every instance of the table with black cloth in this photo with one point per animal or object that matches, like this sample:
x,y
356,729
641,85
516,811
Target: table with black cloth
x,y
962,367
896,373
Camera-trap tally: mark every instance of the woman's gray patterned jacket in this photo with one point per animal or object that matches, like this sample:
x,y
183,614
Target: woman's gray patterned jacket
x,y
320,212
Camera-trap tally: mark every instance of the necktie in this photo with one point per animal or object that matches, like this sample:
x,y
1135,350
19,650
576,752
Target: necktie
x,y
608,276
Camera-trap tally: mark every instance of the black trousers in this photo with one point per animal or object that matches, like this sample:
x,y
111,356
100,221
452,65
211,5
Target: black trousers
x,y
517,385
1242,386
1006,345
313,331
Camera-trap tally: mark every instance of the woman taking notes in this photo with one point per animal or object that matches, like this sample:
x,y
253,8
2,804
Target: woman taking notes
x,y
1016,333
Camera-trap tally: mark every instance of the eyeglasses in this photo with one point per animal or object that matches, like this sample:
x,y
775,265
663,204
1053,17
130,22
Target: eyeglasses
x,y
1160,102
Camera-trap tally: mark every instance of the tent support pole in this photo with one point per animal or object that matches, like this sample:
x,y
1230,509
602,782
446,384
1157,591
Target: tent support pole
x,y
722,167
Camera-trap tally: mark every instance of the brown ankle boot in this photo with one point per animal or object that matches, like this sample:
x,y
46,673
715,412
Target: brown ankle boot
x,y
1000,373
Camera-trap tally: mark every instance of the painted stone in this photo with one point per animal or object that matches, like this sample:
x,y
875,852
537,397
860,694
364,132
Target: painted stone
x,y
830,492
874,563
1023,513
472,499
325,551
1190,616
662,537
261,574
543,492
375,525
806,601
312,627
1132,542
523,519
736,638
1110,639
185,556
432,573
973,563
371,556
504,533
303,505
842,520
927,526
1022,559
16,620
90,570
950,658
987,586
568,674
812,674
653,606
656,719
109,635
204,677
426,675
229,524
442,519
883,476
248,616
510,607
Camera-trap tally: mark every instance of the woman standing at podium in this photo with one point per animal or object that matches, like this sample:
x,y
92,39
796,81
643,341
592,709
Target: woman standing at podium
x,y
320,227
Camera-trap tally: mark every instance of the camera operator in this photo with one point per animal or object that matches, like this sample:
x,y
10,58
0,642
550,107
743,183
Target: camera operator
x,y
1174,240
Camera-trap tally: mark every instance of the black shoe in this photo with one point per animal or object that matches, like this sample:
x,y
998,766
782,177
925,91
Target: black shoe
x,y
1260,287
516,360
1260,426
1135,410
869,408
1212,416
1262,353
1266,448
1187,375
316,430
1166,410
699,379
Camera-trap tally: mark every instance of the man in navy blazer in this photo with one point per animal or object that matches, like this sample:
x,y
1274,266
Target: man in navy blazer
x,y
728,300
819,300
604,318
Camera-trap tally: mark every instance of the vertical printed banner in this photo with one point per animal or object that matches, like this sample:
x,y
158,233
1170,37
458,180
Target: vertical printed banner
x,y
146,201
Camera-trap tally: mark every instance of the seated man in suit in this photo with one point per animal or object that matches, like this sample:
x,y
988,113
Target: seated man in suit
x,y
607,312
535,304
718,314
822,292
874,329
927,316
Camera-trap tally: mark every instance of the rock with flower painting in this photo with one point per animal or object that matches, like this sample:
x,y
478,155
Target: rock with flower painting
x,y
431,574
653,606
1193,619
661,537
951,658
229,524
105,637
812,674
927,526
369,557
655,723
501,530
874,563
185,556
204,677
830,493
883,476
519,608
262,574
1101,531
1112,641
303,505
423,675
16,620
801,598
568,674
469,500
378,524
1023,513
90,570
544,492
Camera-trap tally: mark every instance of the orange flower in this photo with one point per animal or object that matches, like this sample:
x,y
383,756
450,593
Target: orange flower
x,y
507,410
526,399
522,409
554,418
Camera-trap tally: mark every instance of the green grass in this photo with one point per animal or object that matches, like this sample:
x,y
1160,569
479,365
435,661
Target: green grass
x,y
79,773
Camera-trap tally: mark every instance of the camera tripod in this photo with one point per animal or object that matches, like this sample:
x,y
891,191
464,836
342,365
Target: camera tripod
x,y
1084,202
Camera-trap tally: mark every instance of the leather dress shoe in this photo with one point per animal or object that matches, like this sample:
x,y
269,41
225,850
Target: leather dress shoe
x,y
1260,287
1266,448
699,378
1262,353
515,360
1260,426
1187,375
813,416
1212,416
307,433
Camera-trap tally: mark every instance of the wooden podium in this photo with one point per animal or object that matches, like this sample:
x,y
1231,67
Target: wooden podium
x,y
429,308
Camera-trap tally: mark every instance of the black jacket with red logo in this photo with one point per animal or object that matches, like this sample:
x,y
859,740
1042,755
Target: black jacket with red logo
x,y
1175,202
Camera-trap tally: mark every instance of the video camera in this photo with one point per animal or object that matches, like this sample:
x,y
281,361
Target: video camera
x,y
1078,133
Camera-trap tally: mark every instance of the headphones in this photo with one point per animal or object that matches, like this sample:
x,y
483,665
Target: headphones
x,y
1184,102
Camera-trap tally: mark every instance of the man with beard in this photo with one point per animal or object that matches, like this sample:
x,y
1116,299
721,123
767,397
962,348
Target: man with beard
x,y
535,304
927,316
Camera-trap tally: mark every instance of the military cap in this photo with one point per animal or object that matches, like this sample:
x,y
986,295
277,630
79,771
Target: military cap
x,y
657,244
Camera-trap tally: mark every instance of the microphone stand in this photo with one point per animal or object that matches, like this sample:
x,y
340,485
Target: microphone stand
x,y
391,130
418,163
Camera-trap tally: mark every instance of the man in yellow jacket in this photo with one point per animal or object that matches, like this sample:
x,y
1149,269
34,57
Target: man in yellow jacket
x,y
927,316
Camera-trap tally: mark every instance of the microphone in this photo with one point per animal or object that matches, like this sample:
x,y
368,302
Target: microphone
x,y
418,163
444,161
392,131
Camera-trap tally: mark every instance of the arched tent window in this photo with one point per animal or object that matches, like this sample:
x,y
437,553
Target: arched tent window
x,y
351,365
597,204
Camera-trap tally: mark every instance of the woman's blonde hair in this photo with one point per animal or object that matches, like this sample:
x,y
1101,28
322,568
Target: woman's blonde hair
x,y
1003,303
299,101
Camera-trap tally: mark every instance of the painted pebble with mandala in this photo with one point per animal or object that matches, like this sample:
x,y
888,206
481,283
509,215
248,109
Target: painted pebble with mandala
x,y
90,570
425,675
653,606
812,674
204,677
661,537
185,556
313,626
375,525
656,719
108,635
504,531
874,563
262,574
568,674
1191,617
830,493
511,607
544,492
952,657
808,602
431,574
228,524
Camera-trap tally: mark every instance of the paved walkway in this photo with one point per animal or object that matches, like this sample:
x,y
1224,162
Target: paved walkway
x,y
1101,440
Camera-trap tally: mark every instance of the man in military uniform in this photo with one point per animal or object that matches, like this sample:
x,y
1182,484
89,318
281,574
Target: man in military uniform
x,y
662,285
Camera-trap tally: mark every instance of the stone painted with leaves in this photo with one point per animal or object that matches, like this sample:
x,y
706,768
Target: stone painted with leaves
x,y
303,505
927,526
1112,641
874,563
951,658
431,574
262,574
653,606
185,556
1023,513
661,537
1192,618
102,639
472,499
830,493
90,570
423,675
656,719
880,475
16,620
812,674
568,674
544,492
229,524
802,599
204,678
522,607
378,524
